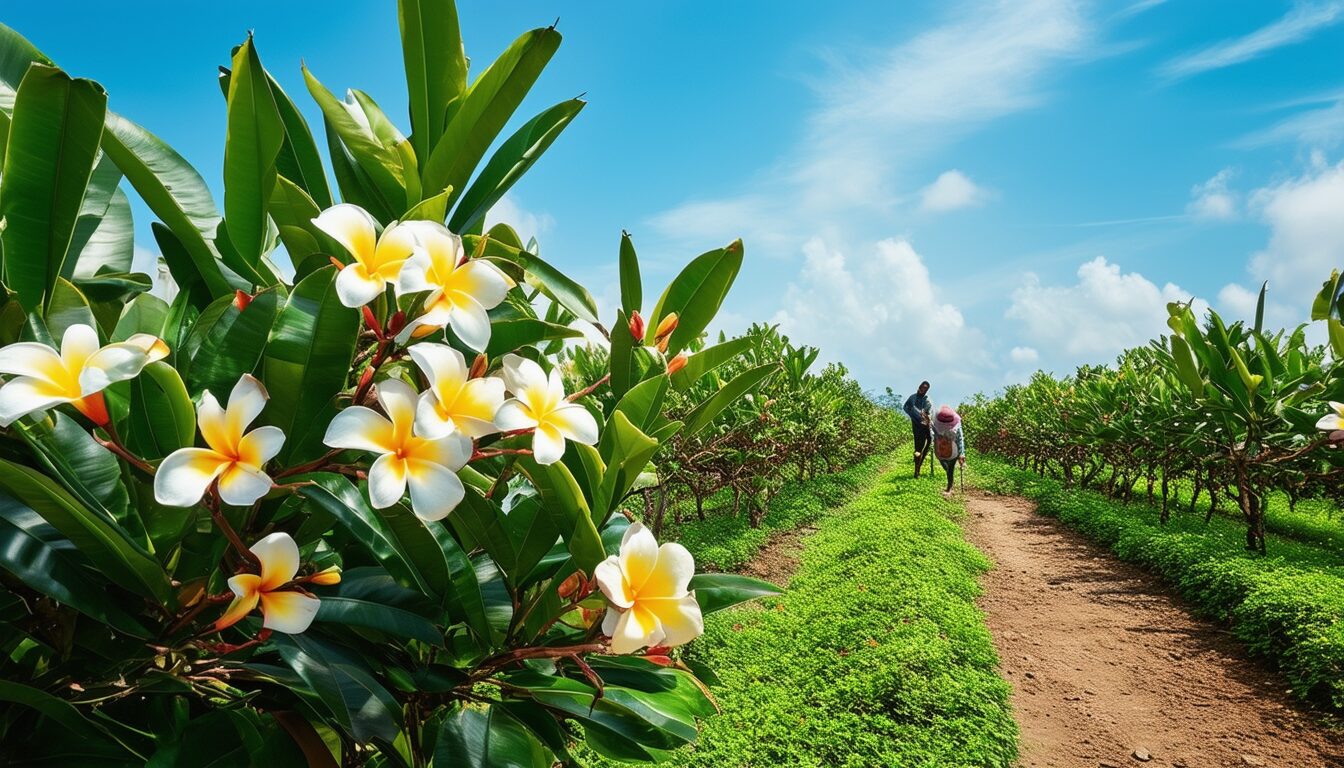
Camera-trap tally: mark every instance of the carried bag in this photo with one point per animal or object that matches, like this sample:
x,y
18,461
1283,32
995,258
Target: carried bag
x,y
944,446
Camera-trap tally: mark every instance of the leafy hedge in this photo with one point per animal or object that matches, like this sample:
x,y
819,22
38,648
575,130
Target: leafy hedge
x,y
1288,607
875,655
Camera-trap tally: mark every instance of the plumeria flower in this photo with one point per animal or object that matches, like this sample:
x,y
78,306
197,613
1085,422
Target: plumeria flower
x,y
539,403
283,609
44,378
378,259
647,587
454,402
1333,422
461,289
235,456
428,465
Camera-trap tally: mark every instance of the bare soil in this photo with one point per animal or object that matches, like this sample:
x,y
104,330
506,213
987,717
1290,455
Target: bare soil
x,y
777,561
1107,668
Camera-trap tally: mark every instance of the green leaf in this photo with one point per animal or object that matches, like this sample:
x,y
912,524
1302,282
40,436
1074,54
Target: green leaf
x,y
1186,367
485,108
703,414
49,158
546,278
436,66
569,511
379,617
625,369
708,359
224,343
513,158
1336,330
381,165
178,195
306,362
162,418
105,544
488,737
632,291
509,335
62,712
717,591
293,212
627,451
104,237
86,469
67,306
696,295
252,142
37,555
346,686
299,160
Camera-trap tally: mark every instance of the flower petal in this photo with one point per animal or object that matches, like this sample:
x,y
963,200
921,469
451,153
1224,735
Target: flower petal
x,y
213,422
482,281
639,556
352,227
241,485
513,415
444,367
395,246
436,490
24,395
451,451
78,344
548,445
522,374
246,402
671,575
679,618
356,287
279,557
245,584
635,629
240,607
260,446
28,358
288,612
398,400
470,322
611,580
153,347
361,429
429,420
387,481
574,422
185,475
112,363
414,274
476,404
1330,421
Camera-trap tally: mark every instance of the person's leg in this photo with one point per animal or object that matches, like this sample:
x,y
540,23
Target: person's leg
x,y
950,467
921,445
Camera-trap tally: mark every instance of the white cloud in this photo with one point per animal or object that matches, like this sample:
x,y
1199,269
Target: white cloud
x,y
883,315
1235,302
526,223
1103,313
1322,127
950,191
882,112
1024,355
1297,25
1212,200
1305,216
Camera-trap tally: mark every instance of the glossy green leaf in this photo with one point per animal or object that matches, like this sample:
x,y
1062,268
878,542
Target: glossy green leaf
x,y
474,736
435,63
252,143
625,368
485,108
224,343
299,160
67,306
632,290
379,617
1186,367
104,236
546,278
346,686
49,158
513,158
704,414
696,295
60,711
98,538
381,165
162,418
509,335
708,359
569,510
717,591
306,363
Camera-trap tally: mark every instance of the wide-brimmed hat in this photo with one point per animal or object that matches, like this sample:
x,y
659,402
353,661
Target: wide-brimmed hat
x,y
947,418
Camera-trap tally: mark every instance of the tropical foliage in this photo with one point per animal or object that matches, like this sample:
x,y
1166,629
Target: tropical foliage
x,y
335,502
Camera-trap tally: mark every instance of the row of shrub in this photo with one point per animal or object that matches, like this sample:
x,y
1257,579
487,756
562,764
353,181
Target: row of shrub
x,y
1287,608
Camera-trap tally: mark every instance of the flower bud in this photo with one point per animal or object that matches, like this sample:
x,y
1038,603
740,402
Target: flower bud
x,y
397,322
676,363
478,366
241,299
572,586
659,659
637,327
666,327
327,577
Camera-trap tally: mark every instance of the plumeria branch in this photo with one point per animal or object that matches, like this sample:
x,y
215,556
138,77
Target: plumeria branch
x,y
589,389
222,523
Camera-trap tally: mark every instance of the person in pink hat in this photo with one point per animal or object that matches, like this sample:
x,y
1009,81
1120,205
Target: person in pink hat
x,y
949,444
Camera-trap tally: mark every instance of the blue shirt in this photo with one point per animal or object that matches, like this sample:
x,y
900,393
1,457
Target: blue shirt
x,y
917,407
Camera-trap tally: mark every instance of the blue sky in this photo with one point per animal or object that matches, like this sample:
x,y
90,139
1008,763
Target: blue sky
x,y
961,191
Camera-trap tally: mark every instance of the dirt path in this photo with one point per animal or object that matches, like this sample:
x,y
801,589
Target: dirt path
x,y
1107,668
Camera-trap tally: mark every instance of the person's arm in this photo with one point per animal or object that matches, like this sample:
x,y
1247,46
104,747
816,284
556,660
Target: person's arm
x,y
909,408
961,444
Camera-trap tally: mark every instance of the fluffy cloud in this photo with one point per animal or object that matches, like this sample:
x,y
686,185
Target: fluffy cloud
x,y
1104,312
950,191
1304,20
884,316
1306,222
1212,200
526,223
1024,355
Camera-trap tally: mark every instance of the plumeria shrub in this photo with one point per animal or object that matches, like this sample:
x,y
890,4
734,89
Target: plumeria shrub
x,y
349,513
1232,412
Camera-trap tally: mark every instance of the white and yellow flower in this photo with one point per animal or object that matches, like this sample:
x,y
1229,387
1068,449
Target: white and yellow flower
x,y
454,401
378,259
282,609
1333,422
428,465
461,289
647,587
44,378
235,457
539,403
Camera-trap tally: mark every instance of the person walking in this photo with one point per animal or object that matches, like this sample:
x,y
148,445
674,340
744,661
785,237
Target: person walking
x,y
919,409
949,444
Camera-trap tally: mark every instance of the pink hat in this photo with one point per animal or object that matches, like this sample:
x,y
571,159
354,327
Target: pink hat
x,y
947,417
